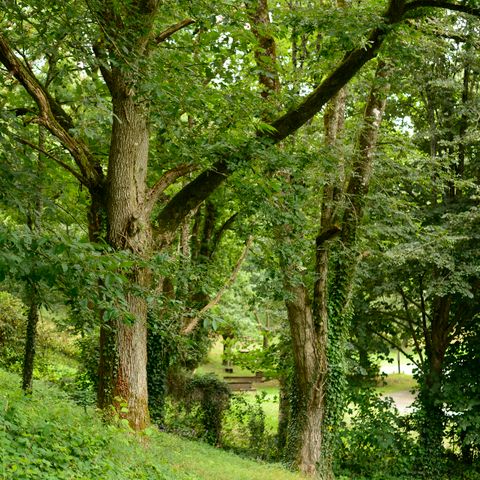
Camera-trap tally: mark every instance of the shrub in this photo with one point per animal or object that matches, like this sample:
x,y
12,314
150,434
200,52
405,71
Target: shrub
x,y
376,444
199,403
245,429
12,328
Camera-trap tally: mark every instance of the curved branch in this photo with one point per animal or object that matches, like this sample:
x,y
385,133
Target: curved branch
x,y
67,167
444,5
189,198
52,116
220,232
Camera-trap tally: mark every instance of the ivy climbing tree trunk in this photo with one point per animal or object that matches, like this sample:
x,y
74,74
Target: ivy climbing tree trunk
x,y
34,223
437,339
30,339
318,328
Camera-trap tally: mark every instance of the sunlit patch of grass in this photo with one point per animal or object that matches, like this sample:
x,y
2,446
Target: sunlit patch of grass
x,y
397,382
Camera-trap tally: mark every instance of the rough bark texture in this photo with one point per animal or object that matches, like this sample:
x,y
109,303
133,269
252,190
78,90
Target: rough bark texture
x,y
310,374
128,229
331,198
437,339
310,324
283,415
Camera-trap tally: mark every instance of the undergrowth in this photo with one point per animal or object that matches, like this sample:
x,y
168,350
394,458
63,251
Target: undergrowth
x,y
47,437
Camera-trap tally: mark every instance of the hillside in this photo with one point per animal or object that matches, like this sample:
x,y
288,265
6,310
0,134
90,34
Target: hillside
x,y
46,436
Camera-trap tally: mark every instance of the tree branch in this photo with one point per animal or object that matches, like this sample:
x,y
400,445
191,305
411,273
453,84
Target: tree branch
x,y
52,116
67,167
398,347
194,322
165,181
194,193
190,197
442,4
168,32
219,233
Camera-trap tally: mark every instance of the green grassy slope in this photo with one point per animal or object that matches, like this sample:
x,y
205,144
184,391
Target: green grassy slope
x,y
46,437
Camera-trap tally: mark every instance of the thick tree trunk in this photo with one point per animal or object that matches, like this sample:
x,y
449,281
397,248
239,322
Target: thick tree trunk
x,y
307,408
123,355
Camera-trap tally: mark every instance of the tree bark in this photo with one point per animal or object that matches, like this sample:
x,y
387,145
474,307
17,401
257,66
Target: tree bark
x,y
307,408
436,341
309,325
30,341
34,222
123,354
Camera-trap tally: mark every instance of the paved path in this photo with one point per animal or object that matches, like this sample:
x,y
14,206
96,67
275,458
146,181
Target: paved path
x,y
403,400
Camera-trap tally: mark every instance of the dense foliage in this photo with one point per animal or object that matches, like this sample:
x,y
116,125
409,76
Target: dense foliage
x,y
299,178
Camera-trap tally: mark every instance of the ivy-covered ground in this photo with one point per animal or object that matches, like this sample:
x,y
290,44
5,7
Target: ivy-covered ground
x,y
47,437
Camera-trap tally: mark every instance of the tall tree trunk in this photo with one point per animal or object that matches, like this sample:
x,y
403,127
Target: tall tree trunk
x,y
331,201
313,338
436,339
307,408
34,222
124,345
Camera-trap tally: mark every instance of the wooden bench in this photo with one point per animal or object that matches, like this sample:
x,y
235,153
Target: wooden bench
x,y
241,386
244,383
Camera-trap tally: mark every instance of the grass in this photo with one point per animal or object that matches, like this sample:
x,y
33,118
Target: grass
x,y
394,382
47,437
397,382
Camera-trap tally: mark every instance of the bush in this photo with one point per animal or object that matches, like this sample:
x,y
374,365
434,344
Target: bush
x,y
199,403
245,430
12,328
376,444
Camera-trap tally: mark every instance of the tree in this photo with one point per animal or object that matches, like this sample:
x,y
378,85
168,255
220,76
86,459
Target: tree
x,y
426,288
131,44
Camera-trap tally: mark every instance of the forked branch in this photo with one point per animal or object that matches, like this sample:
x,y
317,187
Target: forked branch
x,y
165,181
